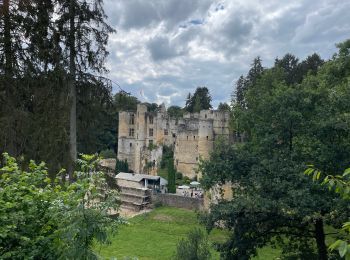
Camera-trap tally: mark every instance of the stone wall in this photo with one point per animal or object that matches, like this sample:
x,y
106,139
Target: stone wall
x,y
178,201
192,137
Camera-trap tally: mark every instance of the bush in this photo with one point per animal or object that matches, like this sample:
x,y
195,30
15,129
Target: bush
x,y
41,218
108,153
179,175
158,204
194,247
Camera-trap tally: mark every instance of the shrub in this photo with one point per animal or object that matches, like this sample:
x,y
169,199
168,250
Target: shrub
x,y
108,153
194,247
43,218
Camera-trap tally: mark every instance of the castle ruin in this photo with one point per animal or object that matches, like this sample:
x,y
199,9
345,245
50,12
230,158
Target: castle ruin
x,y
142,135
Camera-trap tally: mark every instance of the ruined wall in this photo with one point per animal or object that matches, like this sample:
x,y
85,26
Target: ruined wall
x,y
141,135
186,148
192,137
174,200
126,142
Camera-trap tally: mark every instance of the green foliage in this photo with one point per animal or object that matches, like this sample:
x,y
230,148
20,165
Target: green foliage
x,y
167,154
121,166
152,107
341,185
194,247
43,218
224,107
175,111
35,81
152,146
123,101
200,100
290,118
108,153
171,176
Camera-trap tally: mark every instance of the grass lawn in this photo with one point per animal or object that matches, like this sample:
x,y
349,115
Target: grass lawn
x,y
163,173
154,235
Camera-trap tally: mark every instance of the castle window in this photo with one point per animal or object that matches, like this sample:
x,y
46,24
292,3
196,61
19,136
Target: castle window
x,y
131,132
151,120
130,144
196,158
187,137
165,131
151,132
205,116
194,137
132,119
174,135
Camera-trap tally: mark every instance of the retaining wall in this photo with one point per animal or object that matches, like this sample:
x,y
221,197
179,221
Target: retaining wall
x,y
178,201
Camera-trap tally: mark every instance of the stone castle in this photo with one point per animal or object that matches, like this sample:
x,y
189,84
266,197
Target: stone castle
x,y
142,135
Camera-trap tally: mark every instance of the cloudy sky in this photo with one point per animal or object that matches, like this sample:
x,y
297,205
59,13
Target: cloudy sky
x,y
164,49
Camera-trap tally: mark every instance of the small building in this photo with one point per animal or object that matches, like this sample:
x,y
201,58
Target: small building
x,y
136,189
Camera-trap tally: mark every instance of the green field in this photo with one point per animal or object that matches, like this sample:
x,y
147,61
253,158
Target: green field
x,y
154,235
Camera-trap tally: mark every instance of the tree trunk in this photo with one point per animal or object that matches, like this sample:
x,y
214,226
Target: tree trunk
x,y
7,39
72,92
320,240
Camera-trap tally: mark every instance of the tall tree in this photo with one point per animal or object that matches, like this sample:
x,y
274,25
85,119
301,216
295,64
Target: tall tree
x,y
239,92
84,32
175,111
201,99
288,126
224,107
256,69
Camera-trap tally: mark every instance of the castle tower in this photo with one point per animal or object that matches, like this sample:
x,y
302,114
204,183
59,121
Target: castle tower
x,y
205,138
141,136
126,137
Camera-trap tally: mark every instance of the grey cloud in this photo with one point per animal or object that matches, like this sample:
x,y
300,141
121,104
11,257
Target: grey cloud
x,y
161,48
141,13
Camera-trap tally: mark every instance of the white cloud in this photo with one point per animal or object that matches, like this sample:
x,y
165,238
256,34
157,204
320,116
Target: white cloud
x,y
169,47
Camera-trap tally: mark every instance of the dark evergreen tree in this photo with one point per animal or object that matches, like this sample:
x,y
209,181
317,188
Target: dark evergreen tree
x,y
224,107
200,100
239,92
175,111
171,176
84,34
256,69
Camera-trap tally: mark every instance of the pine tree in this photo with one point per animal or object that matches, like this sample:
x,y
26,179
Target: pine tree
x,y
85,33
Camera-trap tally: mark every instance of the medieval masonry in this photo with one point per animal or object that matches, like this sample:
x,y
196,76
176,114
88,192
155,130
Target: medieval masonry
x,y
142,135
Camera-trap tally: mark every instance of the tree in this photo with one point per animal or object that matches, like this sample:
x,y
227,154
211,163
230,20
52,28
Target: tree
x,y
84,33
171,175
200,100
224,107
341,185
286,126
290,66
239,92
256,69
43,218
175,111
194,247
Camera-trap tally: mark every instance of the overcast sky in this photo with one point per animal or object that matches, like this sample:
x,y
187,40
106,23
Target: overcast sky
x,y
164,49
